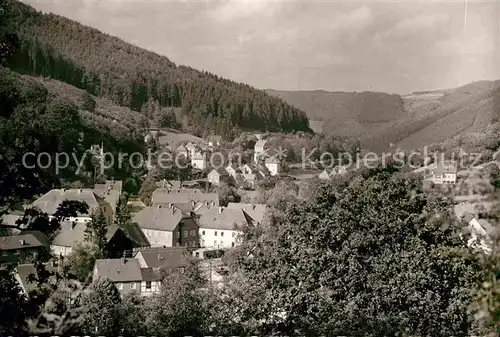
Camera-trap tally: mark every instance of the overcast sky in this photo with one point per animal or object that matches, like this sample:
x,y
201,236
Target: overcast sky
x,y
396,47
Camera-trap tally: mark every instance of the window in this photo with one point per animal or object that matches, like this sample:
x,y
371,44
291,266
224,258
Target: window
x,y
16,252
215,233
178,235
232,244
185,234
120,286
133,285
148,285
203,233
215,243
197,254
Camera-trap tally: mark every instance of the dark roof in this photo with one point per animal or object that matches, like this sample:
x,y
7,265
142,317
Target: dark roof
x,y
134,232
215,138
24,270
24,240
170,257
148,274
118,270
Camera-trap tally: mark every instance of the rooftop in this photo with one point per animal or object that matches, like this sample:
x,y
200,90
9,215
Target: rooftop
x,y
50,201
32,239
223,218
169,257
159,218
118,270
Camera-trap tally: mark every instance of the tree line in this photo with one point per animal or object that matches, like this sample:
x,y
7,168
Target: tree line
x,y
54,46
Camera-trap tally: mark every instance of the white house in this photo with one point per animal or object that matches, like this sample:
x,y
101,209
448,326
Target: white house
x,y
444,173
214,140
182,151
481,234
259,150
273,165
220,227
191,149
199,161
217,175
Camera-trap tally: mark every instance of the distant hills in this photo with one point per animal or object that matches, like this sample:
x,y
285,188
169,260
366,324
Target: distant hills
x,y
105,66
411,121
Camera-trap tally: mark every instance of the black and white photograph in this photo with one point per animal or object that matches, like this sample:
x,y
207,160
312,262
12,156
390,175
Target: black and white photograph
x,y
250,168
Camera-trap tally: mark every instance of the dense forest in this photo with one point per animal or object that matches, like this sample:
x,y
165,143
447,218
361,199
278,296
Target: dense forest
x,y
56,47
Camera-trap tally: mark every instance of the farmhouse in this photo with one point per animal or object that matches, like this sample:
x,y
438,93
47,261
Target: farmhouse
x,y
220,227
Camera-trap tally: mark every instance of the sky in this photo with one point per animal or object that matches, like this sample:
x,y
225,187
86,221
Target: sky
x,y
391,46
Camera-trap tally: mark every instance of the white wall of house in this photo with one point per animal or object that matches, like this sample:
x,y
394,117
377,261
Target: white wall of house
x,y
61,250
447,178
217,238
158,238
274,168
213,177
199,163
150,288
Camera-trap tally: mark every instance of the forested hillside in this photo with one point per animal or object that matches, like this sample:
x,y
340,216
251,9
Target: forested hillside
x,y
408,122
346,113
106,66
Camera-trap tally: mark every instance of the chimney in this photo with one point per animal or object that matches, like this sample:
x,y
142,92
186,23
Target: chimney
x,y
22,242
163,183
253,206
159,206
124,260
220,210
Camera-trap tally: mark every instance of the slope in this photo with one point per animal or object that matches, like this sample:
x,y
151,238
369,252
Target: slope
x,y
345,113
128,75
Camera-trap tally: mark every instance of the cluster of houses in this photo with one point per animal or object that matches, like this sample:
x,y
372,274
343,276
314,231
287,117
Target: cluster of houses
x,y
179,223
471,192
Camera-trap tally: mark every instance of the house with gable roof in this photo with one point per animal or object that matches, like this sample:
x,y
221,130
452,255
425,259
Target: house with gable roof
x,y
259,150
198,160
110,191
72,233
214,140
124,273
256,212
167,227
220,227
444,173
217,175
50,201
273,165
16,248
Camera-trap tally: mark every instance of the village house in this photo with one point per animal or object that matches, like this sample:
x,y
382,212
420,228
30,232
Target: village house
x,y
168,258
444,173
199,160
20,248
273,165
256,212
482,233
72,233
124,273
220,227
473,187
23,271
233,170
191,149
167,196
259,150
325,175
217,175
167,227
182,151
110,191
214,140
49,202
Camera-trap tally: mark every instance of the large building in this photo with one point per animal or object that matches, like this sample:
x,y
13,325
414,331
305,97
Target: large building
x,y
168,196
167,227
220,227
50,201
